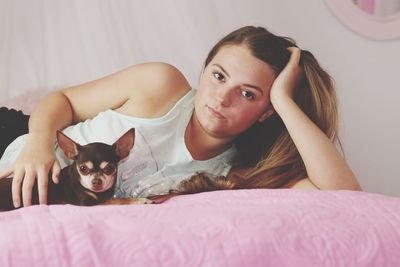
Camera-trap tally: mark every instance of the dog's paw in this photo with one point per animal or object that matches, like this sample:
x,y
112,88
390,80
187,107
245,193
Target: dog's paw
x,y
129,201
143,200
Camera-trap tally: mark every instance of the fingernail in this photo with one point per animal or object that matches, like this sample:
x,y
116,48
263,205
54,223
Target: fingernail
x,y
17,204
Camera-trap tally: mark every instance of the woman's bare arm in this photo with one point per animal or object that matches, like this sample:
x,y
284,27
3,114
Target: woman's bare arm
x,y
325,166
153,87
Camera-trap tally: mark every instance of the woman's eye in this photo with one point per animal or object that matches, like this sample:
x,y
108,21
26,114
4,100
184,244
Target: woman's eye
x,y
84,170
247,94
219,76
109,169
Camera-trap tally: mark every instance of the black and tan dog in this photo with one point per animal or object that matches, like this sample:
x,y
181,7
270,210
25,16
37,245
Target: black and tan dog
x,y
91,178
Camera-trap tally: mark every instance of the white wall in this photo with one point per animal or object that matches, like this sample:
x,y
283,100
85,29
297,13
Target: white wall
x,y
51,44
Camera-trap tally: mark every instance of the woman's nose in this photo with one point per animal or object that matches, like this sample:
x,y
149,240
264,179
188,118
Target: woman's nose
x,y
224,96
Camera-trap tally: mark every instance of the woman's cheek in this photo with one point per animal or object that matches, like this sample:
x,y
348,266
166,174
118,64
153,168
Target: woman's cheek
x,y
207,84
248,116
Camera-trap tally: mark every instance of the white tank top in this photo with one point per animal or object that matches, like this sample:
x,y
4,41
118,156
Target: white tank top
x,y
159,159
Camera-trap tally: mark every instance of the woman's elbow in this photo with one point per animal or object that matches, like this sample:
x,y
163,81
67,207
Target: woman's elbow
x,y
304,183
346,184
349,183
355,187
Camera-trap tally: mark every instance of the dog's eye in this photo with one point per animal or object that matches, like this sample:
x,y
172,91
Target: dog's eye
x,y
109,169
84,170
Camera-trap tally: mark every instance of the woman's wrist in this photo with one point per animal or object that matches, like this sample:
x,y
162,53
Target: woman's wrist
x,y
281,103
41,138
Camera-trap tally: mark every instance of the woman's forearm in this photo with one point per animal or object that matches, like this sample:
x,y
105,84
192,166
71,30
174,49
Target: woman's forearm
x,y
52,113
325,166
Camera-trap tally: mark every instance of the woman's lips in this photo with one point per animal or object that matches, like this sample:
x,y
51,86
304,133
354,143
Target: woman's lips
x,y
215,113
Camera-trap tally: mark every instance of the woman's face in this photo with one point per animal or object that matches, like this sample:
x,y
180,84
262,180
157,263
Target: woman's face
x,y
233,92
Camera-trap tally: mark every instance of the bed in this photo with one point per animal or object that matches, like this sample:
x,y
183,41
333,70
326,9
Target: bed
x,y
263,227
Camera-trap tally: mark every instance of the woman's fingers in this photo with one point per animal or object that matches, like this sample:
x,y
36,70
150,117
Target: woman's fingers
x,y
27,186
24,179
43,181
293,67
7,172
35,161
288,79
295,53
16,187
56,172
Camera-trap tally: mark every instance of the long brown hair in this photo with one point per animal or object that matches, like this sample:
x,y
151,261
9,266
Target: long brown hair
x,y
266,150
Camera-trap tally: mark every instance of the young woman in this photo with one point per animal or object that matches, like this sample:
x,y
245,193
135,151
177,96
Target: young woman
x,y
262,105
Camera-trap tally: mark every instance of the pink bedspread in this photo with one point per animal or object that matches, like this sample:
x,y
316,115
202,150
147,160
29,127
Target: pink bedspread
x,y
227,228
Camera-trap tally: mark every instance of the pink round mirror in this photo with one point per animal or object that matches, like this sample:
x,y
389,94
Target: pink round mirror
x,y
376,19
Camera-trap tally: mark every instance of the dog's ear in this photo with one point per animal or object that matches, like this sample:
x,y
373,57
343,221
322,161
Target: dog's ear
x,y
68,145
125,143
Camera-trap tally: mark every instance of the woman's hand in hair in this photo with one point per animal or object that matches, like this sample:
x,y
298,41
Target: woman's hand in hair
x,y
287,81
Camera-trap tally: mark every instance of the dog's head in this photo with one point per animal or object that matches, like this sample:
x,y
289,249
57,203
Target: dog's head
x,y
96,163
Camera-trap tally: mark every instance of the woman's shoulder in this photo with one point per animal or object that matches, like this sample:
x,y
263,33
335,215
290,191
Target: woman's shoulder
x,y
155,92
160,76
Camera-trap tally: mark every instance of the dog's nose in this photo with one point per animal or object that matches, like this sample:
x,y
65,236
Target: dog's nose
x,y
96,182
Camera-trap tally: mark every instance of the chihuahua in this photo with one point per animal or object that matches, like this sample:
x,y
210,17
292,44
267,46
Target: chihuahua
x,y
88,181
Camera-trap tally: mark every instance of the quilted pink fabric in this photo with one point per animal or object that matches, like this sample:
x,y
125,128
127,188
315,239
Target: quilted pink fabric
x,y
281,227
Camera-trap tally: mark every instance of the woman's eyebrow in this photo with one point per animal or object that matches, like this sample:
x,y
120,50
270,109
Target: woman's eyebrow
x,y
223,70
247,85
